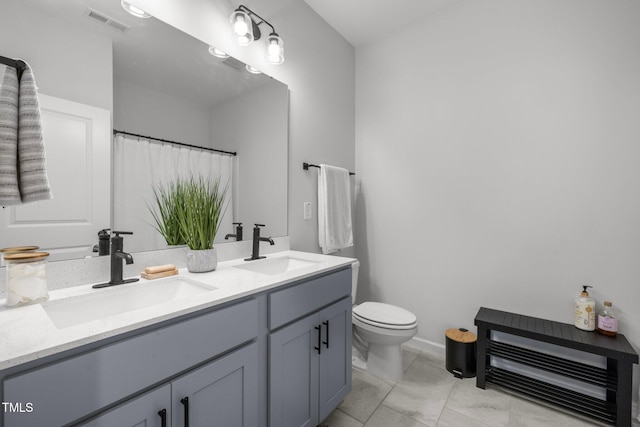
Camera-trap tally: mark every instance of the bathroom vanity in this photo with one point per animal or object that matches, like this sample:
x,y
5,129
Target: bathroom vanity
x,y
269,343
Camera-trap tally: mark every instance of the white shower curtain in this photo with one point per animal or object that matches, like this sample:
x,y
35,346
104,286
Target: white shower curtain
x,y
138,165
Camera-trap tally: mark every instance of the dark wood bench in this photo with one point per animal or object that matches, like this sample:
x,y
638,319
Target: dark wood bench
x,y
616,378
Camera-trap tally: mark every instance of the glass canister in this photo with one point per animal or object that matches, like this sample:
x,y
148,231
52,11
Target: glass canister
x,y
14,250
26,278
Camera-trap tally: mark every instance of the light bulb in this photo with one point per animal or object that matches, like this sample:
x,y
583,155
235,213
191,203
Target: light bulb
x,y
275,49
240,27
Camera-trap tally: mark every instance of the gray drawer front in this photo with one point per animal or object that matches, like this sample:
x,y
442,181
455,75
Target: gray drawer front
x,y
298,300
70,389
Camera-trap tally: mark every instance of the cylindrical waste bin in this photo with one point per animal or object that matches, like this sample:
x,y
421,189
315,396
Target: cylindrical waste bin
x,y
461,352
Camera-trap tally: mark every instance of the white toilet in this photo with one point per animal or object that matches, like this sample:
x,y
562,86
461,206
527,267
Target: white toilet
x,y
378,332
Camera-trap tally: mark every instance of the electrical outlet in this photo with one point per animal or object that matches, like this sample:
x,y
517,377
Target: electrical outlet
x,y
307,210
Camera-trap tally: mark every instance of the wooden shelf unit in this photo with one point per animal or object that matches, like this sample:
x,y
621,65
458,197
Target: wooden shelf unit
x,y
616,378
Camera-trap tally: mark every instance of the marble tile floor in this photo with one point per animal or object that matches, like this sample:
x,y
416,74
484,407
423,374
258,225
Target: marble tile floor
x,y
428,395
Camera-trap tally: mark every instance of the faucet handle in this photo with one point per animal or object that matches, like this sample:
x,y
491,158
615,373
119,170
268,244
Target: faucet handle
x,y
118,233
236,223
259,225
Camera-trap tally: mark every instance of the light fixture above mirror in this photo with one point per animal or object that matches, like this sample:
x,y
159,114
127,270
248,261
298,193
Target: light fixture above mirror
x,y
218,53
135,11
247,31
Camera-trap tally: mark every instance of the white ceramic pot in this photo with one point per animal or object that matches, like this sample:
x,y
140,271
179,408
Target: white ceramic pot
x,y
201,261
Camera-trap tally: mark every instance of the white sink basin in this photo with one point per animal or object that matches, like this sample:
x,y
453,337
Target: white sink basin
x,y
112,301
272,266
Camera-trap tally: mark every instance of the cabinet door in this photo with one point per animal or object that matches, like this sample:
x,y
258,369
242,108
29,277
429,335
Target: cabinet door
x,y
335,359
223,393
293,374
142,411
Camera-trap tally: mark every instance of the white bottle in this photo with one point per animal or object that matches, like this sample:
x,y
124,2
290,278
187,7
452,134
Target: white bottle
x,y
585,311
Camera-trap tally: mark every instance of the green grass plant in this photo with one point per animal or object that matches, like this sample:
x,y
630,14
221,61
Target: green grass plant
x,y
200,211
165,214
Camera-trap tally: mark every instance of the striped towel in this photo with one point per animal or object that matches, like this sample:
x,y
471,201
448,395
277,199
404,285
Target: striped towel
x,y
23,175
9,190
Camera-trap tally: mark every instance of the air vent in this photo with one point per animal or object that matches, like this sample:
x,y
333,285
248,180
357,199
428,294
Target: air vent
x,y
234,63
105,20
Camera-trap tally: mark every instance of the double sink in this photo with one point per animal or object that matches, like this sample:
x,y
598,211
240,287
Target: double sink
x,y
114,301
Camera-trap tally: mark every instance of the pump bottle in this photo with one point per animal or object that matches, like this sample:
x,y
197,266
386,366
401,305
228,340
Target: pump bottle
x,y
585,312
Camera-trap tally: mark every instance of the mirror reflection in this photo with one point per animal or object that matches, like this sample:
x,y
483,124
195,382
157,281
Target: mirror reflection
x,y
99,69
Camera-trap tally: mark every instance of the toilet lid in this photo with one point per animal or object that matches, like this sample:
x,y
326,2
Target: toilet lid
x,y
385,314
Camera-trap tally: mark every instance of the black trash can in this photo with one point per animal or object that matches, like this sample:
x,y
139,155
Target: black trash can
x,y
461,352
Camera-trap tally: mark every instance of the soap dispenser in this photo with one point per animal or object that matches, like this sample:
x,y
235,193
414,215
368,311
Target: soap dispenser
x,y
585,312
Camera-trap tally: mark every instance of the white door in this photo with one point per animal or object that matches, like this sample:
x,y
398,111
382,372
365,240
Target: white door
x,y
77,141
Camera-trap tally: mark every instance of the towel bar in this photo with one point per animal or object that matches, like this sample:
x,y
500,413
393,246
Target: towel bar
x,y
306,167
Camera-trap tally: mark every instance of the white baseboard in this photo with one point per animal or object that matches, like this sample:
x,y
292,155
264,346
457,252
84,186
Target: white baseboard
x,y
421,344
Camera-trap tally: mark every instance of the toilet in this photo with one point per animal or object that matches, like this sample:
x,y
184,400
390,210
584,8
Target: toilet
x,y
378,332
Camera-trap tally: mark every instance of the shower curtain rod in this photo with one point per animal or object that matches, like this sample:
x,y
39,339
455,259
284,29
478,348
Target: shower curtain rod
x,y
306,167
182,144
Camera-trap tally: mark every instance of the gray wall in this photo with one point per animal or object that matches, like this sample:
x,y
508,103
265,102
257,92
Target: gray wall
x,y
499,160
66,63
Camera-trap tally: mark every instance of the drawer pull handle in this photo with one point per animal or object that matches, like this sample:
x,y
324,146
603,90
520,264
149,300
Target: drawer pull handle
x,y
185,402
163,417
319,347
326,343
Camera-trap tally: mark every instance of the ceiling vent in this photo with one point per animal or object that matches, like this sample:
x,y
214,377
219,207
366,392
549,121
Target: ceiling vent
x,y
105,20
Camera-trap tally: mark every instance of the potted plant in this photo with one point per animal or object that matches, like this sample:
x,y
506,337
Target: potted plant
x,y
199,214
167,199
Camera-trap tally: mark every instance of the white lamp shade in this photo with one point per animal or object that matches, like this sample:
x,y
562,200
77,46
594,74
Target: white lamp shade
x,y
275,49
242,27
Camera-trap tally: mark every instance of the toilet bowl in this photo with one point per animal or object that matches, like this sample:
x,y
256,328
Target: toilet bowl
x,y
378,332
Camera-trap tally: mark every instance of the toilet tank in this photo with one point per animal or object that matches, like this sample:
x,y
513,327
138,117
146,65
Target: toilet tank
x,y
355,267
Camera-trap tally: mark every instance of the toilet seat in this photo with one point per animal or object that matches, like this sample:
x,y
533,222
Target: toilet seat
x,y
385,316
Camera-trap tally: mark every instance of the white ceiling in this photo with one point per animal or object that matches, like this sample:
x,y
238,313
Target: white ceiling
x,y
360,21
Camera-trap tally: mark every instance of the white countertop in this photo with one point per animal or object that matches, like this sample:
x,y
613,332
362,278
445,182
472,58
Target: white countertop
x,y
27,333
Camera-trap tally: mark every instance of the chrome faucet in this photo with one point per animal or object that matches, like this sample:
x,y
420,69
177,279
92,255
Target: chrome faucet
x,y
117,256
238,234
256,243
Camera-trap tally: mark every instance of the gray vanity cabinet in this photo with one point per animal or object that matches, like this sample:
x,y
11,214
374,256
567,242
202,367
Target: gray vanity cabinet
x,y
145,410
310,358
335,359
285,352
293,375
222,393
207,346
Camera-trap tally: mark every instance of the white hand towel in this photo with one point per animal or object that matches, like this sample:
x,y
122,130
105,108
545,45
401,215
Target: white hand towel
x,y
334,209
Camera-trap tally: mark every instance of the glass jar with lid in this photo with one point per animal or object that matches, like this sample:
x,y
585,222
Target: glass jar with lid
x,y
26,278
14,250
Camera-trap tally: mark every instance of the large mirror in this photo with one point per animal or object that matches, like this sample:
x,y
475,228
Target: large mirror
x,y
99,69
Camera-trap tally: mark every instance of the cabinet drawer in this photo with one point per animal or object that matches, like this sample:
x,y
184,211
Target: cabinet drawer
x,y
85,383
306,297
